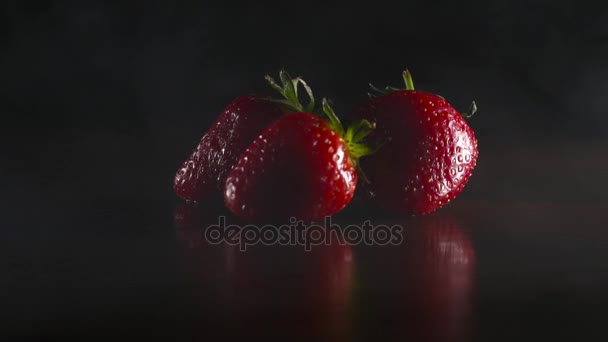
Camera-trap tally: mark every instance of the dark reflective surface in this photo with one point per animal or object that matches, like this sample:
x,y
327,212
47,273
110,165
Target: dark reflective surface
x,y
276,291
466,274
419,289
488,266
423,289
101,102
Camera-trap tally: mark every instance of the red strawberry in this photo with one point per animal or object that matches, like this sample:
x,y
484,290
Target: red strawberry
x,y
301,166
429,151
204,172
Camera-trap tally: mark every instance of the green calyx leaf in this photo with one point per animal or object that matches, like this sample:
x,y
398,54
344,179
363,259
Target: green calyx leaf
x,y
386,90
334,121
353,136
355,133
409,85
471,111
289,90
407,81
358,130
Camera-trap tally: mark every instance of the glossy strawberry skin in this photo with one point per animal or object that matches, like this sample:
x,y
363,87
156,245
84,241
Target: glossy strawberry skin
x,y
298,167
429,155
204,173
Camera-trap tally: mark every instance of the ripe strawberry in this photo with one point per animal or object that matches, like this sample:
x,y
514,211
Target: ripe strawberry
x,y
302,166
204,172
429,151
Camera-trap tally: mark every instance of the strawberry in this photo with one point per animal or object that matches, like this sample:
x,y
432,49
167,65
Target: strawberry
x,y
204,172
429,151
301,166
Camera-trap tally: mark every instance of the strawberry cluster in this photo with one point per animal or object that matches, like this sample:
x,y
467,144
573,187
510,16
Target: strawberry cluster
x,y
277,158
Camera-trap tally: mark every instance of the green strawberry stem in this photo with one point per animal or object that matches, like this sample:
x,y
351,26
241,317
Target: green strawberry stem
x,y
409,85
354,134
407,79
353,137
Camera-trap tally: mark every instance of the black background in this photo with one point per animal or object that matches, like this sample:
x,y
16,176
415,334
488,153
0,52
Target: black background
x,y
101,101
127,87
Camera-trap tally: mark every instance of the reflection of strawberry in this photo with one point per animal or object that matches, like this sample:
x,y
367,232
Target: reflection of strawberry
x,y
427,283
286,291
191,220
267,290
440,266
205,265
429,151
301,166
204,172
